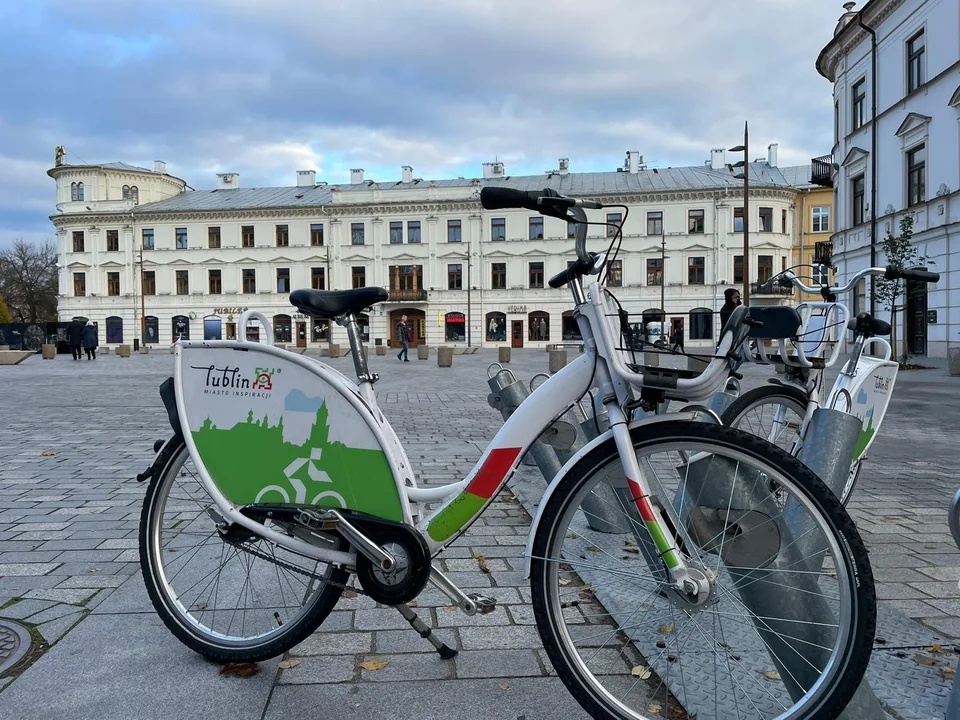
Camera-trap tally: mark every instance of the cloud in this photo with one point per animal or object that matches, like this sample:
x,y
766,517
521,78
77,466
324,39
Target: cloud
x,y
266,89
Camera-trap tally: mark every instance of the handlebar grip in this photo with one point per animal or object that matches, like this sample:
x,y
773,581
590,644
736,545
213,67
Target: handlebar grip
x,y
495,198
919,275
578,269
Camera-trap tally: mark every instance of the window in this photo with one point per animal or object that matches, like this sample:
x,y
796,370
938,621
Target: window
x,y
539,324
655,223
180,325
455,277
318,278
78,240
738,219
836,122
614,223
282,328
820,274
113,283
655,271
764,268
356,234
181,238
821,218
783,221
125,192
147,239
695,221
114,329
396,233
498,229
766,219
80,191
701,324
320,329
359,277
283,236
498,276
152,323
413,231
859,190
695,271
536,274
536,228
916,73
113,240
213,237
738,268
246,236
916,172
454,231
249,280
149,283
135,194
316,234
76,191
615,274
213,282
496,327
569,329
283,280
859,94
79,284
183,282
572,230
454,327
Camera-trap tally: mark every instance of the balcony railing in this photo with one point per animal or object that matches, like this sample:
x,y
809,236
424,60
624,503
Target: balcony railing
x,y
821,171
770,288
407,296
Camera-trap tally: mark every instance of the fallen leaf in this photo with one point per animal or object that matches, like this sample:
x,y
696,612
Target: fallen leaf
x,y
948,673
666,628
48,453
630,542
632,550
564,581
772,675
654,707
566,566
482,561
412,603
924,660
640,671
349,594
593,548
451,608
289,664
504,686
240,669
935,649
572,536
374,664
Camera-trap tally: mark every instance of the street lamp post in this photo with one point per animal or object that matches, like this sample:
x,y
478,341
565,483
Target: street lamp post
x,y
663,283
745,164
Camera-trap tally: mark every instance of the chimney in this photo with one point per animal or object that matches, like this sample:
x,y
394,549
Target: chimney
x,y
228,181
564,166
356,176
306,178
407,173
493,170
772,154
718,158
633,161
159,166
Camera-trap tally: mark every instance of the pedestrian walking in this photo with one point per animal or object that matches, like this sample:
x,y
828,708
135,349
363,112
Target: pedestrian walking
x,y
75,337
90,340
404,334
676,338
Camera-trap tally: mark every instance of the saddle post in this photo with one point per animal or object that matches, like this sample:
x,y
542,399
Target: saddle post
x,y
349,321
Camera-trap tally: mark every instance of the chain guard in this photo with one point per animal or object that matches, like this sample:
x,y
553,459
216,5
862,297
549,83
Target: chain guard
x,y
412,555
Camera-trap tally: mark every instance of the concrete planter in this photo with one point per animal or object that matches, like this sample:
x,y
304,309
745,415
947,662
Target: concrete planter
x,y
49,352
14,357
953,360
652,359
558,359
123,351
144,349
334,350
4,347
504,355
381,349
423,352
445,357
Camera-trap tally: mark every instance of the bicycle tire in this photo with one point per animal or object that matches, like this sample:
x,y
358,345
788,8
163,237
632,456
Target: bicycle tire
x,y
852,658
768,394
171,611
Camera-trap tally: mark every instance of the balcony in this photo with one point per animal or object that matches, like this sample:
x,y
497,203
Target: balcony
x,y
770,288
407,295
821,171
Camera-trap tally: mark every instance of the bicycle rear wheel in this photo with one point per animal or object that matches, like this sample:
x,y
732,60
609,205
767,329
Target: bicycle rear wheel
x,y
238,598
788,628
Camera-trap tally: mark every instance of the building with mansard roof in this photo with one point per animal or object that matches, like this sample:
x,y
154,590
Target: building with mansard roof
x,y
144,256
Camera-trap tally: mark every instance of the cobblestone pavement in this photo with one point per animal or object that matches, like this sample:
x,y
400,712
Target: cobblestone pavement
x,y
75,433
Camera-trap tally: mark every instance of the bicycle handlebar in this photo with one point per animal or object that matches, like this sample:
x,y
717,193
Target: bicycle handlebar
x,y
889,273
919,275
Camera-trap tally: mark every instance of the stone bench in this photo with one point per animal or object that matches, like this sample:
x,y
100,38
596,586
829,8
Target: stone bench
x,y
14,357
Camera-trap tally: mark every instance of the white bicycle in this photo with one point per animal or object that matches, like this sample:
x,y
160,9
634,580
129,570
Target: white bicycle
x,y
283,478
781,411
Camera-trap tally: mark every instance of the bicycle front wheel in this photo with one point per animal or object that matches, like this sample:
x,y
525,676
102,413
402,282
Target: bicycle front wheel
x,y
787,627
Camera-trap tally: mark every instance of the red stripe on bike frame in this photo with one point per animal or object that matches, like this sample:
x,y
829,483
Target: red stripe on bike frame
x,y
492,472
643,504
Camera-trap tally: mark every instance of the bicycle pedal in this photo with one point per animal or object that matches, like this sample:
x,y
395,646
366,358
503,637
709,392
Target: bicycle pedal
x,y
485,605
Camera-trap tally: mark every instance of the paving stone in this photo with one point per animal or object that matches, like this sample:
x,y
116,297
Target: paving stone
x,y
407,641
122,543
44,535
498,663
21,569
409,667
341,643
379,619
128,555
450,618
473,565
93,581
937,589
321,669
28,556
71,596
25,608
88,556
55,612
497,637
941,573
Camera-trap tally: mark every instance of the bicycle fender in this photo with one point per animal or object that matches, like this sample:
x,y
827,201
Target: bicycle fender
x,y
572,462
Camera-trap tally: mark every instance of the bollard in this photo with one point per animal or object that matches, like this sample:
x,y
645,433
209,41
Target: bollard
x,y
49,352
381,349
444,356
558,358
334,350
504,355
123,351
423,352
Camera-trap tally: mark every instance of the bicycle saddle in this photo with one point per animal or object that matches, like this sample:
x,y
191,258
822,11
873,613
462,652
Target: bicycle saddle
x,y
328,304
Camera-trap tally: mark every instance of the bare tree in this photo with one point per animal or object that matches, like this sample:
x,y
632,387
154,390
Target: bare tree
x,y
28,280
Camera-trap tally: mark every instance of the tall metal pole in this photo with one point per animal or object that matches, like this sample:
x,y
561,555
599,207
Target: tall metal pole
x,y
143,302
746,216
469,306
663,283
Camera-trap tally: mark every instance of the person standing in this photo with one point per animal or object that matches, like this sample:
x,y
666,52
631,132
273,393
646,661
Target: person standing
x,y
75,337
90,340
403,333
731,298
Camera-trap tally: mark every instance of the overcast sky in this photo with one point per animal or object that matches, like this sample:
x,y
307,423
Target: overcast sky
x,y
266,88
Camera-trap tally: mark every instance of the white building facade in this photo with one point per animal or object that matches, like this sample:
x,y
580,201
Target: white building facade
x,y
188,263
897,152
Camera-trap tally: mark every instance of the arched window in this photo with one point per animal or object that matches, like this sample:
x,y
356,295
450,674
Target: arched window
x,y
363,322
114,329
701,324
569,328
496,325
135,194
151,330
74,194
282,330
181,327
79,191
212,328
539,323
126,192
455,327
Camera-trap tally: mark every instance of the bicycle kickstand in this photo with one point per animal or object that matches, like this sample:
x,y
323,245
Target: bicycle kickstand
x,y
444,650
